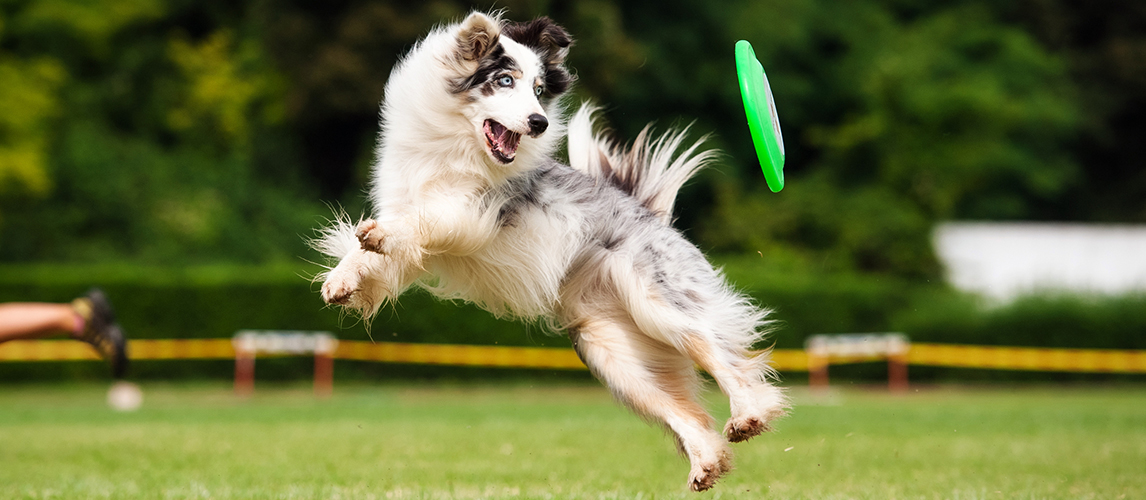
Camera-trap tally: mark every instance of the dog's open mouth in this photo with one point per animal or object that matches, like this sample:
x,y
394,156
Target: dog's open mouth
x,y
502,141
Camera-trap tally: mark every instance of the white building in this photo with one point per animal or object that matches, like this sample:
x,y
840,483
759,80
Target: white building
x,y
1005,260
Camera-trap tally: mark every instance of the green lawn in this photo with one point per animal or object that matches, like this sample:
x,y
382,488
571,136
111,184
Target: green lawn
x,y
503,441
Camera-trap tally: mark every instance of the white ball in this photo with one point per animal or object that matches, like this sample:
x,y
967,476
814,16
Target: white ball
x,y
124,396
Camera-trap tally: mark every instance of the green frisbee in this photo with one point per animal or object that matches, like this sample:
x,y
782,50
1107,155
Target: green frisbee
x,y
761,111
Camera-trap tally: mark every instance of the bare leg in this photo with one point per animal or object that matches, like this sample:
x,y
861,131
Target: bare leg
x,y
660,384
89,318
29,320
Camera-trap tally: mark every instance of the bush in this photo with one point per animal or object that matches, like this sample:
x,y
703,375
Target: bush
x,y
218,300
1048,320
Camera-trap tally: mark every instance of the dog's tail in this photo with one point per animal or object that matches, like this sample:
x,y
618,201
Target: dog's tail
x,y
650,169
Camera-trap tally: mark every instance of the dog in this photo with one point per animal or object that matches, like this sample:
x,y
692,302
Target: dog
x,y
470,203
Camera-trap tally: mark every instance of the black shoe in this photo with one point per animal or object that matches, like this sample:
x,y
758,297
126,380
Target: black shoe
x,y
101,330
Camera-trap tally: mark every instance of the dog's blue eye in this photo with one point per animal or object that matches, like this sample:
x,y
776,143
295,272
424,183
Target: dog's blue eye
x,y
537,90
505,81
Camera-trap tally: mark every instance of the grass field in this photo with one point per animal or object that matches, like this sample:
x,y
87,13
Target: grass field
x,y
507,441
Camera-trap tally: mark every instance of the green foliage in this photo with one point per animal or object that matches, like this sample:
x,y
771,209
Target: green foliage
x,y
896,123
120,202
27,106
806,300
227,91
1080,321
34,79
91,24
821,226
897,115
956,110
1103,45
163,146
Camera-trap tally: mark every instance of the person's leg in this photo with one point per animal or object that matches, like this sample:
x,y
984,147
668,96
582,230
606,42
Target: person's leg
x,y
101,330
29,320
89,318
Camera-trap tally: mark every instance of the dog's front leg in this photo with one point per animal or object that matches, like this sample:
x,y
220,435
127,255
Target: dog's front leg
x,y
455,226
396,241
363,281
345,279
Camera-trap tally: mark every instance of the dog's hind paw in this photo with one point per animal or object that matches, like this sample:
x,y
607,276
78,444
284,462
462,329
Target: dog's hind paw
x,y
370,235
743,429
704,476
753,412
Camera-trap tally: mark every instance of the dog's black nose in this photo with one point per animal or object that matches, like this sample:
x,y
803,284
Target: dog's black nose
x,y
537,124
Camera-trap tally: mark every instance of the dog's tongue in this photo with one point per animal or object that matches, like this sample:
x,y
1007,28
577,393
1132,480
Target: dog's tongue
x,y
502,141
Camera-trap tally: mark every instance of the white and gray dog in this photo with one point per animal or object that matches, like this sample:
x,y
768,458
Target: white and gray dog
x,y
469,203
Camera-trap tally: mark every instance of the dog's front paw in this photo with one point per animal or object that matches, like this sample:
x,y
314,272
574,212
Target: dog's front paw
x,y
370,236
339,287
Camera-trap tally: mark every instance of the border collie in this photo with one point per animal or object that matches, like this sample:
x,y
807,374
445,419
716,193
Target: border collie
x,y
469,203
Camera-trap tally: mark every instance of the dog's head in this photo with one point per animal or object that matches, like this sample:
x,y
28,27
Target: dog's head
x,y
510,74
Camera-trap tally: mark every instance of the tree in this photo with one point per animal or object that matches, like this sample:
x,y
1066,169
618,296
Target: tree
x,y
166,142
894,118
1104,46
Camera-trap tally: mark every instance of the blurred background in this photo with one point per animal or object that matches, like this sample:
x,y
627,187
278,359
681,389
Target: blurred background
x,y
179,154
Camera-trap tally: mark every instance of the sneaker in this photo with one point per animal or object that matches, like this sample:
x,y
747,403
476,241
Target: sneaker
x,y
101,330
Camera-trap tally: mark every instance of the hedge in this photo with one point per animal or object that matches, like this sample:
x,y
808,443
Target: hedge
x,y
216,301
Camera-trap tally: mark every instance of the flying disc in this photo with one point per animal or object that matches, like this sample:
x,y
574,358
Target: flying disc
x,y
761,110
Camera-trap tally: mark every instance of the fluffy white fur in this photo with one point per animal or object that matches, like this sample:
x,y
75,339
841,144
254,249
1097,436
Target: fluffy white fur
x,y
470,204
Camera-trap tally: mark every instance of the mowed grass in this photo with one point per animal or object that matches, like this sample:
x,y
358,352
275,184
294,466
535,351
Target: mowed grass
x,y
506,441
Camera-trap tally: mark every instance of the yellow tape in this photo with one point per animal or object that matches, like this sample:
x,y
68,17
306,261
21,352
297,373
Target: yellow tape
x,y
181,349
1028,358
966,356
463,355
790,360
67,350
46,350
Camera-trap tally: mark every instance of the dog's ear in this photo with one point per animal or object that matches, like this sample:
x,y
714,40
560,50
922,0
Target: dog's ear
x,y
477,37
551,42
544,36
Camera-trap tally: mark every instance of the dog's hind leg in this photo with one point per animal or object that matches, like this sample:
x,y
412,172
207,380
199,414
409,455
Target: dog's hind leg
x,y
719,337
753,401
723,349
659,383
673,295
